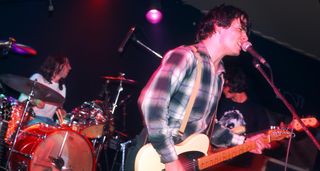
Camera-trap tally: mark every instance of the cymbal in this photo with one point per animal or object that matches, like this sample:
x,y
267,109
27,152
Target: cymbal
x,y
24,85
118,79
14,47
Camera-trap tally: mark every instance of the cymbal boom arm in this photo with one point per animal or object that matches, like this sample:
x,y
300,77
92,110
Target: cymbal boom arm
x,y
114,105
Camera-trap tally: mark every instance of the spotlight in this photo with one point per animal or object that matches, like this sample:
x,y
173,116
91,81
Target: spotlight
x,y
154,14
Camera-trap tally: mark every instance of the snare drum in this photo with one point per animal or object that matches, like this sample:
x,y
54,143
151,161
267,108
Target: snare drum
x,y
41,147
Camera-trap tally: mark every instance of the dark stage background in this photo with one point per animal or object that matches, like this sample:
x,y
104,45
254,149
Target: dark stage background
x,y
89,32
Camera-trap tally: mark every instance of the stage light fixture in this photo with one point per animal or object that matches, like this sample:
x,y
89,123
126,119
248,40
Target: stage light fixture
x,y
154,14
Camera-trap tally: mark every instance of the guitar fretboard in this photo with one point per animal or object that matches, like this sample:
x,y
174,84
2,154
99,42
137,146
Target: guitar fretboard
x,y
218,157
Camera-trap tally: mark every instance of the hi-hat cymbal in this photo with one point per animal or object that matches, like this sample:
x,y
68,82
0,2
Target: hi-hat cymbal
x,y
12,46
25,85
118,79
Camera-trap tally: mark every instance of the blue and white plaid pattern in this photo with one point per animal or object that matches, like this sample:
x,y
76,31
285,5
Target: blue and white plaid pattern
x,y
164,99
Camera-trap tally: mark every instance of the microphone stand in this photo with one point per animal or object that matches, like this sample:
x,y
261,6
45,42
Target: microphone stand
x,y
123,149
287,104
145,46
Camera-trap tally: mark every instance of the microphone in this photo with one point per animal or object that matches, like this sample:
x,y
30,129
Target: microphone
x,y
247,47
125,40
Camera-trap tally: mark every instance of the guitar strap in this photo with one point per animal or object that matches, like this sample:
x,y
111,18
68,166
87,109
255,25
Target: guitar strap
x,y
194,91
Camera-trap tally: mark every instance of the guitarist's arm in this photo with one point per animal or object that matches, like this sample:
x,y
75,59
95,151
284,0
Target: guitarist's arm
x,y
154,102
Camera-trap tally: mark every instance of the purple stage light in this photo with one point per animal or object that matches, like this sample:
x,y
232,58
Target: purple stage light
x,y
154,16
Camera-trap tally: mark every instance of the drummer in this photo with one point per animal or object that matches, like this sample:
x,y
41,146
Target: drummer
x,y
52,74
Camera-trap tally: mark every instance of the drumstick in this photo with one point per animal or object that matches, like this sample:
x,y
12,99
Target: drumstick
x,y
60,117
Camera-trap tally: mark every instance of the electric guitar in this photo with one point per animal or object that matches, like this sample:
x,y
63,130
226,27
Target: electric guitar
x,y
193,151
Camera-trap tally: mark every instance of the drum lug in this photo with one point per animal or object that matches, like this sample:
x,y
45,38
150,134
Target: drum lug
x,y
22,166
22,154
32,134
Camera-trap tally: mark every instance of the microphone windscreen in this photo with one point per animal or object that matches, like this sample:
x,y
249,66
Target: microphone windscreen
x,y
245,46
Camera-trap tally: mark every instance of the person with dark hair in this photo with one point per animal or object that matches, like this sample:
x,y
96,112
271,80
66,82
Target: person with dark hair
x,y
164,99
236,110
52,74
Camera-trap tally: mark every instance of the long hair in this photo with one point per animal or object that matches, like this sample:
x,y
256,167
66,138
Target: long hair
x,y
51,66
236,80
221,16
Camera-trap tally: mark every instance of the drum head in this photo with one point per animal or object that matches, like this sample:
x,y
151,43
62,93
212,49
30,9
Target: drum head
x,y
94,131
65,149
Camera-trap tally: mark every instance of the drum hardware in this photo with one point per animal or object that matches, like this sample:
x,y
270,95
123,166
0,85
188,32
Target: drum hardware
x,y
28,156
58,161
95,119
120,89
123,149
6,105
16,48
33,134
34,90
16,114
117,102
99,148
22,166
59,151
121,80
31,94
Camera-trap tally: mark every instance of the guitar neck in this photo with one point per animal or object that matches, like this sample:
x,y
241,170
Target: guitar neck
x,y
218,157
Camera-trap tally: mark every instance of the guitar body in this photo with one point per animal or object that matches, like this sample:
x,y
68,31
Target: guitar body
x,y
148,159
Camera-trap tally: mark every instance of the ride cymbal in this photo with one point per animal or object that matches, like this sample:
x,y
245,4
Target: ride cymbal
x,y
118,79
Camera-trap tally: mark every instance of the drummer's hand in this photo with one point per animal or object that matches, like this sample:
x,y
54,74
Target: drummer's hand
x,y
61,112
37,103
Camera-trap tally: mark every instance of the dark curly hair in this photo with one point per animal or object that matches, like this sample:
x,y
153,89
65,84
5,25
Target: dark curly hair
x,y
51,66
221,16
236,80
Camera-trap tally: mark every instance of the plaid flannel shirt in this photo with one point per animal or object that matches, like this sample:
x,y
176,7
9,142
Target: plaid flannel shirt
x,y
164,99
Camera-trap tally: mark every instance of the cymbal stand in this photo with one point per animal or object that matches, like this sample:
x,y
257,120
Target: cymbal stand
x,y
7,46
31,94
123,149
120,88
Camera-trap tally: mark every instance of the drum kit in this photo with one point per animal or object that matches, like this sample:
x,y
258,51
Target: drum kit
x,y
75,144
